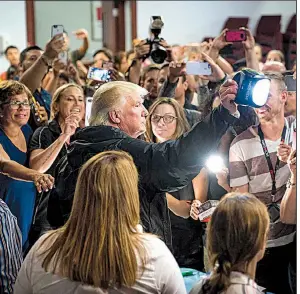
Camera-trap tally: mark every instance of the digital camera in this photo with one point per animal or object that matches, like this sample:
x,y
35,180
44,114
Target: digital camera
x,y
157,53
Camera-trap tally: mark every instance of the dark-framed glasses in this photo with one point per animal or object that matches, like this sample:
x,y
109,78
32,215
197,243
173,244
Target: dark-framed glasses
x,y
167,118
16,104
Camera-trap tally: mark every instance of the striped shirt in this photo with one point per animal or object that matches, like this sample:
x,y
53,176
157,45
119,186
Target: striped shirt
x,y
248,165
10,249
239,284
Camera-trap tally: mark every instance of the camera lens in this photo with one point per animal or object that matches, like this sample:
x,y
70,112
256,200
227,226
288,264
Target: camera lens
x,y
158,54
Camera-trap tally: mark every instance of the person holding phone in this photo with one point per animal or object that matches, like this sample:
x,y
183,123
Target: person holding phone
x,y
254,167
35,63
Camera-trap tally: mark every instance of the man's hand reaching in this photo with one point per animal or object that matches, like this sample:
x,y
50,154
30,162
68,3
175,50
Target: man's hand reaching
x,y
217,73
176,70
228,93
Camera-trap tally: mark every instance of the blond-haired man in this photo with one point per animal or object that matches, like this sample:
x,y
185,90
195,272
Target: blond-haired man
x,y
118,118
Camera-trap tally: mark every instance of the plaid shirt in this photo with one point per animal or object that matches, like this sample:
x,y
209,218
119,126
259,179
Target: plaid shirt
x,y
239,284
10,249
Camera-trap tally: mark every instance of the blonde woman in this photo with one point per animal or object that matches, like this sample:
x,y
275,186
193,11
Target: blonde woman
x,y
49,143
101,248
236,241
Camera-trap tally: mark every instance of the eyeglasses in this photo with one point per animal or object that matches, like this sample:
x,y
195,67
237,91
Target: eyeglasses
x,y
167,118
16,104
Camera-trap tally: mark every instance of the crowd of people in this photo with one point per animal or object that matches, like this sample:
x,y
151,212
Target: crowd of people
x,y
113,204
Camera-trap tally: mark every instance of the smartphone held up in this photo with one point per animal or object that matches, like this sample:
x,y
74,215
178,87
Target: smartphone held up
x,y
235,36
198,68
99,74
57,30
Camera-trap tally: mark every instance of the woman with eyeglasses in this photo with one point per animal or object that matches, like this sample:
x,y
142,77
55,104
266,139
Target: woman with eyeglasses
x,y
167,121
14,138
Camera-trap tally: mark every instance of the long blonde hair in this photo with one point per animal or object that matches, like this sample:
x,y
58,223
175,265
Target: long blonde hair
x,y
236,233
57,95
182,125
99,244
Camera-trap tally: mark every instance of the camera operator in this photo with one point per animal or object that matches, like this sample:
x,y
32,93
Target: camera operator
x,y
255,168
154,48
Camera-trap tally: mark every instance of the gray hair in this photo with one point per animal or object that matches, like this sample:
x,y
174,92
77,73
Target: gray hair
x,y
109,97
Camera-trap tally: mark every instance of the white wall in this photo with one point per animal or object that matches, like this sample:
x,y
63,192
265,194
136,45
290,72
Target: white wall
x,y
185,21
71,14
191,21
12,27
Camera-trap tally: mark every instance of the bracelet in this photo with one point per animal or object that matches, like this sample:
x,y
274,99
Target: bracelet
x,y
289,184
223,80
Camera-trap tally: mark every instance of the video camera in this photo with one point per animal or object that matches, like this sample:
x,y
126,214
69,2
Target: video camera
x,y
157,53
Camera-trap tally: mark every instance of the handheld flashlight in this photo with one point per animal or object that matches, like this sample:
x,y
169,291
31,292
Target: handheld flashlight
x,y
215,163
253,88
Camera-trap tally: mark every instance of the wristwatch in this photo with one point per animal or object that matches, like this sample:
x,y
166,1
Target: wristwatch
x,y
223,80
289,184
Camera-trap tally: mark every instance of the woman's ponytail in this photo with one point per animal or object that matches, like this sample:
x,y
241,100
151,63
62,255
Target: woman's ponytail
x,y
219,280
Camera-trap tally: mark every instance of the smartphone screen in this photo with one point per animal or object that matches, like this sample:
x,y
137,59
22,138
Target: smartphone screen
x,y
88,109
235,36
290,83
198,68
98,74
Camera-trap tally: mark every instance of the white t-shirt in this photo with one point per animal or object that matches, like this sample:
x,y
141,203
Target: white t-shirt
x,y
161,274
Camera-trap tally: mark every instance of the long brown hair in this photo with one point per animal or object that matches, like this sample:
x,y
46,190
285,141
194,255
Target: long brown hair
x,y
99,243
182,125
236,233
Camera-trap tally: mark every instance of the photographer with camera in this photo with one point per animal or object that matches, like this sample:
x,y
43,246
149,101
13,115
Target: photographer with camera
x,y
154,48
255,168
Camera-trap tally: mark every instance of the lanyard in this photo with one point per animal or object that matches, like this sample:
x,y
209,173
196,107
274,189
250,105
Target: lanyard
x,y
267,156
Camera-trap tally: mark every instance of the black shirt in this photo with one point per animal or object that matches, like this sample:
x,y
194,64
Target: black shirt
x,y
164,167
186,234
43,137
